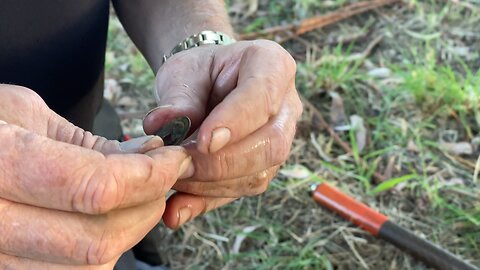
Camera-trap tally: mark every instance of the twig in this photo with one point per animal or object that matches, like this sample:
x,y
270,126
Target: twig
x,y
354,57
321,21
477,169
324,125
355,252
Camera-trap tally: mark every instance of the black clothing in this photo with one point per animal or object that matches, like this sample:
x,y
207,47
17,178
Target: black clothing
x,y
56,48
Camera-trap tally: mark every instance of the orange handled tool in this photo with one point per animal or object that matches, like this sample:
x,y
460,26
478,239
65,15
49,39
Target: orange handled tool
x,y
380,226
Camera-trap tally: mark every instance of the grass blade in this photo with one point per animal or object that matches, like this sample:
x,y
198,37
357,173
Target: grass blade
x,y
389,184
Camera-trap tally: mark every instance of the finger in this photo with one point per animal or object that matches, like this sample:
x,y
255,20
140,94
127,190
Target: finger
x,y
265,148
73,238
140,145
60,129
266,72
182,89
32,113
39,171
182,207
12,262
250,185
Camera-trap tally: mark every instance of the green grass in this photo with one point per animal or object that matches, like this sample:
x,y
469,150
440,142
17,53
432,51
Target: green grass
x,y
432,50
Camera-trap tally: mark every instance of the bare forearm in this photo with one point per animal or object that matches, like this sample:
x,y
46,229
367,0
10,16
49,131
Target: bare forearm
x,y
157,26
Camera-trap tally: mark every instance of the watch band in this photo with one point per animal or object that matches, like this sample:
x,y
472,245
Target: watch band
x,y
200,39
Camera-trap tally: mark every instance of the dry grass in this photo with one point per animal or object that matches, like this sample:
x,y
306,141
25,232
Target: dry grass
x,y
411,73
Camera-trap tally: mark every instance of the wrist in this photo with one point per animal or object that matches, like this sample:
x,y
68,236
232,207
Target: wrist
x,y
206,37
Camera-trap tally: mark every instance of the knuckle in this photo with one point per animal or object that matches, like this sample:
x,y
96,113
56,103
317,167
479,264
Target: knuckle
x,y
167,179
270,91
263,188
163,167
25,93
17,88
167,173
101,249
217,166
7,131
295,104
279,147
289,62
280,53
226,163
269,106
98,192
21,94
268,44
260,183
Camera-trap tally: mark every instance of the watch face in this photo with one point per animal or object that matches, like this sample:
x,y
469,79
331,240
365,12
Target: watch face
x,y
175,131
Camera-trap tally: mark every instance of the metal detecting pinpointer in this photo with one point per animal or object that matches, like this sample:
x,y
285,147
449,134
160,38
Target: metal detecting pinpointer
x,y
380,226
175,131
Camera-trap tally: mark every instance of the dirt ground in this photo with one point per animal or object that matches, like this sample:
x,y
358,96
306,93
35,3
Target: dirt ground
x,y
399,85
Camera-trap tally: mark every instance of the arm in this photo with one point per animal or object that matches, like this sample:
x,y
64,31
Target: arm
x,y
157,26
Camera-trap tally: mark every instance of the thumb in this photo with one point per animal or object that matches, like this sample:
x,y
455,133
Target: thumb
x,y
182,88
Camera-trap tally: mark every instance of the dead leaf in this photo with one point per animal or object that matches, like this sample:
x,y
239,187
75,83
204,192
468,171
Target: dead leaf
x,y
127,102
380,73
337,111
476,143
404,126
316,143
389,169
412,147
112,91
360,130
454,182
252,8
400,186
459,148
296,172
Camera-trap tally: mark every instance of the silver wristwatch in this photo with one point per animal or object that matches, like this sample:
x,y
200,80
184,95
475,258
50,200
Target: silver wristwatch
x,y
202,38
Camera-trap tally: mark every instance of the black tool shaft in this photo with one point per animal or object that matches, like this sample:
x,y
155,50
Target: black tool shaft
x,y
423,250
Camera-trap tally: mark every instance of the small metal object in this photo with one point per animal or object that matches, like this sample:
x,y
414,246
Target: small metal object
x,y
175,131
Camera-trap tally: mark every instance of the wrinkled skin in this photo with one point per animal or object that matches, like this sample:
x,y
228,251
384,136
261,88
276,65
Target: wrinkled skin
x,y
247,88
71,200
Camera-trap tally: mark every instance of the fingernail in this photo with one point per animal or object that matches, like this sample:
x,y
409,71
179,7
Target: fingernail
x,y
220,138
133,145
187,169
157,108
3,122
184,215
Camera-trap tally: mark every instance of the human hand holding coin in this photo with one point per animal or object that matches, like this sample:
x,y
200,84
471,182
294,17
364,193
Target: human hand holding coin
x,y
72,200
243,106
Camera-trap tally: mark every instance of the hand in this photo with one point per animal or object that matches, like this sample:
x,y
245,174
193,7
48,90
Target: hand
x,y
71,200
243,101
